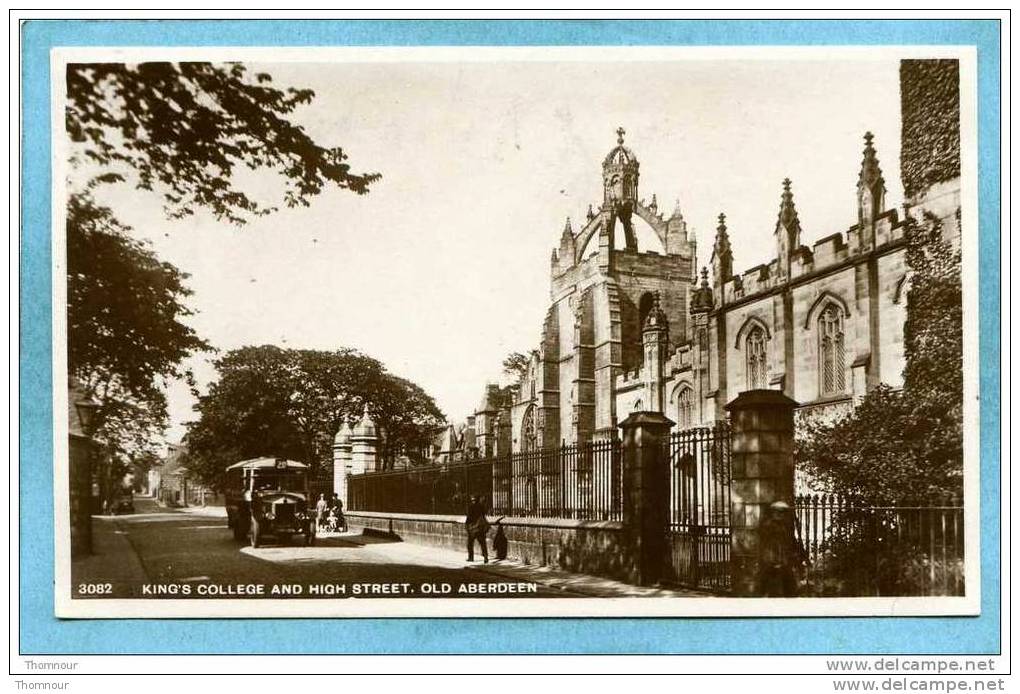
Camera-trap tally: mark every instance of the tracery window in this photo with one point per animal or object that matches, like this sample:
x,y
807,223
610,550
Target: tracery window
x,y
831,363
757,353
529,435
685,408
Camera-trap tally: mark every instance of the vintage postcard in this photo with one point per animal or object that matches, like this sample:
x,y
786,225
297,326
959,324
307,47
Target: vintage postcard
x,y
515,332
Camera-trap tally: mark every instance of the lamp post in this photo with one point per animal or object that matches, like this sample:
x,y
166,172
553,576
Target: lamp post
x,y
86,410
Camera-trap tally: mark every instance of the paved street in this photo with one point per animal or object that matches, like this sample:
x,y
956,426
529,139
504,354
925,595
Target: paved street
x,y
194,551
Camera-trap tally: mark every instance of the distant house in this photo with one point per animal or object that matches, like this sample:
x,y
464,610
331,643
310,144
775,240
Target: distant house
x,y
177,485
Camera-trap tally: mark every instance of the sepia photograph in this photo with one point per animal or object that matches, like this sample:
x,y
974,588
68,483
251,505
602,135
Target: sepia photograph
x,y
515,332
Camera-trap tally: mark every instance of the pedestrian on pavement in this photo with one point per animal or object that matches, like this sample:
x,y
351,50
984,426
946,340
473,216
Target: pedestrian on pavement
x,y
338,508
320,510
477,528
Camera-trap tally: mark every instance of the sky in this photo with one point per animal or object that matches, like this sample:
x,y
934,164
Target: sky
x,y
443,268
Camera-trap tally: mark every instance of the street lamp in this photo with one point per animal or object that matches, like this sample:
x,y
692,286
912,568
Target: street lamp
x,y
87,410
82,471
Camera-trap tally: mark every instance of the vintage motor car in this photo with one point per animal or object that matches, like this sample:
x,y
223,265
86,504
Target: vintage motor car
x,y
268,497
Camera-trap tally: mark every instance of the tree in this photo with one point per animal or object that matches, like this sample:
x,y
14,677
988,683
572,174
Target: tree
x,y
125,335
185,128
901,445
270,401
124,308
515,366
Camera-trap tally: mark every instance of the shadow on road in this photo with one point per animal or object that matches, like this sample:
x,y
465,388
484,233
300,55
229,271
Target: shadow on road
x,y
195,555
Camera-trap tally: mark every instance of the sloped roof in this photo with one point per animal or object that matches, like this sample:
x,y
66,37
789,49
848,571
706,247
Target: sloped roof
x,y
262,463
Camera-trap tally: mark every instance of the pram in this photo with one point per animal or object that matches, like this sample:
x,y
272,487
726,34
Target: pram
x,y
334,522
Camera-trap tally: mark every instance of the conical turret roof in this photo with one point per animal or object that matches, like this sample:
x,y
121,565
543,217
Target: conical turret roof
x,y
343,435
366,427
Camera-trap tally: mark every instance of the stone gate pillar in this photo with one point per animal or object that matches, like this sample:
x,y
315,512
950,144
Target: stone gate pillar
x,y
646,493
761,493
342,462
364,445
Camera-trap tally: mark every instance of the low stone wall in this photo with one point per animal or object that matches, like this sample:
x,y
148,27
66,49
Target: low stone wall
x,y
591,547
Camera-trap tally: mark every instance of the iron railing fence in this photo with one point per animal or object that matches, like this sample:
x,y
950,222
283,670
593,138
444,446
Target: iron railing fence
x,y
851,548
582,481
699,506
320,483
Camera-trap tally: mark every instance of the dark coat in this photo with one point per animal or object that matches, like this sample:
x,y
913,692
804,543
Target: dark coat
x,y
475,520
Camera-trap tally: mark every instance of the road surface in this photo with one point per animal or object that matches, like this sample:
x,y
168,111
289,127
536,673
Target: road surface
x,y
169,553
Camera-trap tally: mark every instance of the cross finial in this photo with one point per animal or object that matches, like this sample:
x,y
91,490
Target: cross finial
x,y
620,132
786,184
868,137
722,219
704,276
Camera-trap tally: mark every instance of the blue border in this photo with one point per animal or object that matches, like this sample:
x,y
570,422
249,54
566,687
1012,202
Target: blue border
x,y
42,633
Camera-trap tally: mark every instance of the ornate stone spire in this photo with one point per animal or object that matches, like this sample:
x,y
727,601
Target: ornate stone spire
x,y
702,299
787,231
871,172
677,214
787,209
566,249
722,254
590,214
654,204
656,318
870,184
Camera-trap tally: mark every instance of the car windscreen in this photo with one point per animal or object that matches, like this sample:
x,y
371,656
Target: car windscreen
x,y
280,481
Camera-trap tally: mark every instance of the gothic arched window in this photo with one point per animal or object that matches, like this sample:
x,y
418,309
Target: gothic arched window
x,y
529,434
757,354
685,408
831,363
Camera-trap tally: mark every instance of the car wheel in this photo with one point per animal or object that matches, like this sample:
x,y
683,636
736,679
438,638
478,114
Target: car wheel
x,y
253,533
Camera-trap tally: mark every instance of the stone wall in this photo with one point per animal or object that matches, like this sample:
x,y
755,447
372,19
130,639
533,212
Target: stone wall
x,y
591,547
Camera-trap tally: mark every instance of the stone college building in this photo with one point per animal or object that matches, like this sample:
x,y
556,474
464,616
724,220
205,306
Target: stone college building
x,y
642,329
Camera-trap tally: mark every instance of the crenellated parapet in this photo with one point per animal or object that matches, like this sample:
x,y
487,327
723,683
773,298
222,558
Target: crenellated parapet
x,y
680,361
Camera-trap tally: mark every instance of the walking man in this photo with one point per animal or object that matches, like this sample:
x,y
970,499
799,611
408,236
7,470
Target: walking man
x,y
320,509
337,506
477,528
